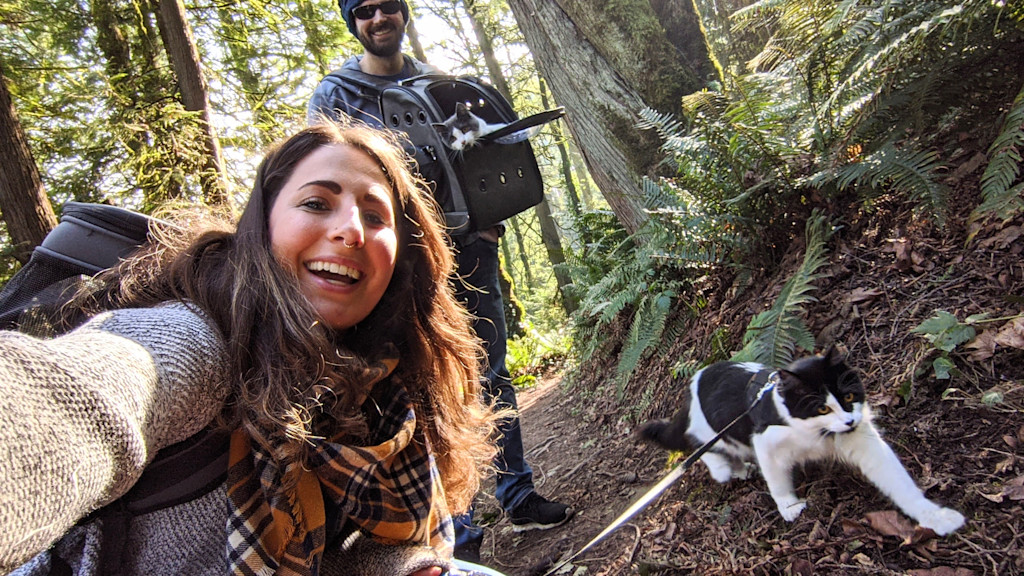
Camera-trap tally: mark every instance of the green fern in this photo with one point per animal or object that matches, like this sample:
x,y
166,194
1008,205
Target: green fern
x,y
1002,198
644,334
911,173
773,336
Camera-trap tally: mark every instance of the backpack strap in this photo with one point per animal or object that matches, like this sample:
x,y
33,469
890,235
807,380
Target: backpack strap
x,y
179,473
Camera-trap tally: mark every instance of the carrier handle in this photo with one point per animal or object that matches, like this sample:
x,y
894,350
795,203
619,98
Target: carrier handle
x,y
525,123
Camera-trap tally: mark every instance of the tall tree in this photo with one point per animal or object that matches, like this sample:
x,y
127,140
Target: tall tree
x,y
563,156
604,73
26,209
184,57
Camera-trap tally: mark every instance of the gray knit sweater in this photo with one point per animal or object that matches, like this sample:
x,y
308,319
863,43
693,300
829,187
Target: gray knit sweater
x,y
80,417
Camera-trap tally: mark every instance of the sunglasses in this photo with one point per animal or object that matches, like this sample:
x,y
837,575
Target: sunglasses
x,y
368,12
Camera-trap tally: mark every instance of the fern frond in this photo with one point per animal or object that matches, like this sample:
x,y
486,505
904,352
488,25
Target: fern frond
x,y
1000,197
666,125
644,333
907,172
773,336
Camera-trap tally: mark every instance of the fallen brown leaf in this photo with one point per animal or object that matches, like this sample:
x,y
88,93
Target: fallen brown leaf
x,y
852,528
1012,334
890,523
983,346
863,295
802,567
1004,238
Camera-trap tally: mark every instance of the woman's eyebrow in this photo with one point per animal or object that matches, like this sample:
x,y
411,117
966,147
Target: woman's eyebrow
x,y
331,185
378,196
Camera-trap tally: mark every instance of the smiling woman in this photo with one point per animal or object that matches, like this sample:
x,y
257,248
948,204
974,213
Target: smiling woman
x,y
320,336
333,225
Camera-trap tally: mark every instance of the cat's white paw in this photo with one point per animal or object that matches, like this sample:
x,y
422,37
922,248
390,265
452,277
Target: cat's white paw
x,y
942,520
790,508
743,471
718,467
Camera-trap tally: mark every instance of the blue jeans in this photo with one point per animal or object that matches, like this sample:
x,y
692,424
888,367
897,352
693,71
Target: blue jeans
x,y
477,263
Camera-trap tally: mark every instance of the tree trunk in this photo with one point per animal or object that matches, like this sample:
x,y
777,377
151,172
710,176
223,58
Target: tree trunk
x,y
563,154
26,209
414,39
604,72
524,258
181,50
494,71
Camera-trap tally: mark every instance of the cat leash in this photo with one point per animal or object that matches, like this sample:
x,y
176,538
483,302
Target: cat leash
x,y
669,479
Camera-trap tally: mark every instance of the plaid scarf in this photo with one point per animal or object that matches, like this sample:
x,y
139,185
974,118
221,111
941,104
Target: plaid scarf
x,y
391,491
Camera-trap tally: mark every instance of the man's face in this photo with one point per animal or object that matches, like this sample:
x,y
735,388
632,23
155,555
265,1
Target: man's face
x,y
381,34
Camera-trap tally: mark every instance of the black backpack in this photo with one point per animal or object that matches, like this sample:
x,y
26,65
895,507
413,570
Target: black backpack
x,y
89,239
478,187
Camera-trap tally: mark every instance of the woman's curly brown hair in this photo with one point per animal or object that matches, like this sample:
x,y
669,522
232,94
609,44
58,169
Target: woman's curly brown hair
x,y
295,378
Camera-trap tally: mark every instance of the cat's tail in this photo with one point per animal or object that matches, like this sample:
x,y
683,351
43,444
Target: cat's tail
x,y
669,434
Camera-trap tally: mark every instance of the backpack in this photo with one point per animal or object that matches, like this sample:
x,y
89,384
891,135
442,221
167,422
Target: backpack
x,y
477,187
91,238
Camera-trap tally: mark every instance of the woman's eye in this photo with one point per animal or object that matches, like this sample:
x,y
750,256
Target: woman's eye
x,y
314,204
824,410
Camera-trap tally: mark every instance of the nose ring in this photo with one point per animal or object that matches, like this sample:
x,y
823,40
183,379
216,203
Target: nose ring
x,y
347,245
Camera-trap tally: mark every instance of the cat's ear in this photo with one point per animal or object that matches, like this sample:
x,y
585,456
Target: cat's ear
x,y
787,379
835,354
443,131
461,110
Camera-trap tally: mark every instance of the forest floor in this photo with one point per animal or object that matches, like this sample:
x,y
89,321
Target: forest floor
x,y
961,438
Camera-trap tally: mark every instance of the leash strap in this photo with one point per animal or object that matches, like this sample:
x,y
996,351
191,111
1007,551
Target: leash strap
x,y
670,478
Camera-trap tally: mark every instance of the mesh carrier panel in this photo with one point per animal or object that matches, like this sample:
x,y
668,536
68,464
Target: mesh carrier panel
x,y
89,238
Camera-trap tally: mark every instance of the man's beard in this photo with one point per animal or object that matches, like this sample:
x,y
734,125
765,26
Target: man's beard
x,y
384,49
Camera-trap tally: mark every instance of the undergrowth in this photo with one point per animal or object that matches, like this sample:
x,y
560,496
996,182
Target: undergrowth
x,y
846,100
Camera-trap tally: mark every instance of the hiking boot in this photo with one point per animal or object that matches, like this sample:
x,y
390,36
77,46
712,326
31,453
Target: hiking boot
x,y
538,513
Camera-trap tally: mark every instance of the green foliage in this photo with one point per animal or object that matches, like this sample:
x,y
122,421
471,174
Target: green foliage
x,y
96,96
946,333
903,171
847,99
531,352
1002,197
643,276
870,86
773,336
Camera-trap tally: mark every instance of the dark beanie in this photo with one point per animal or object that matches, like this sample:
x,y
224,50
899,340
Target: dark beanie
x,y
348,5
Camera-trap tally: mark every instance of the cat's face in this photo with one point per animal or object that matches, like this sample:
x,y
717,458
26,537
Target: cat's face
x,y
461,130
822,394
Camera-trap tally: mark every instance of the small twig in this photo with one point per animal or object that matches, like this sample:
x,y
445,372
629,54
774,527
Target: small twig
x,y
636,543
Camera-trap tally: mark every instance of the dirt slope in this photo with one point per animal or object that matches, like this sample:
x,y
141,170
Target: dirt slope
x,y
961,438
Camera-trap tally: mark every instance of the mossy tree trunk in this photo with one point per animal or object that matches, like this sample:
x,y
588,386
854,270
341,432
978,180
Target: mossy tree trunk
x,y
181,50
605,60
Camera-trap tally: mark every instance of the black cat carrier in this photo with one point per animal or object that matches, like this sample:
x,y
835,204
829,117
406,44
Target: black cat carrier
x,y
89,238
477,187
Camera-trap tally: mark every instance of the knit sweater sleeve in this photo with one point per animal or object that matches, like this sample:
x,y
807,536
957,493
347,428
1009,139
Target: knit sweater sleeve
x,y
82,414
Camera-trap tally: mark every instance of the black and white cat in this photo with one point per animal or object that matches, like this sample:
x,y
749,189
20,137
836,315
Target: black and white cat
x,y
464,129
816,411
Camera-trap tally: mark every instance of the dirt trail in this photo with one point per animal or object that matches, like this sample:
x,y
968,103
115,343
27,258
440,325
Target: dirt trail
x,y
598,476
